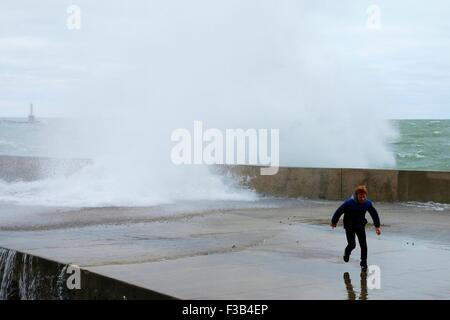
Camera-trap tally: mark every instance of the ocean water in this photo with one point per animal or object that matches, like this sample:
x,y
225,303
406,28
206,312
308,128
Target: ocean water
x,y
420,145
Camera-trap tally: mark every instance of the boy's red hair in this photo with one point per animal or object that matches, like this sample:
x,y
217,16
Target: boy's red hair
x,y
361,189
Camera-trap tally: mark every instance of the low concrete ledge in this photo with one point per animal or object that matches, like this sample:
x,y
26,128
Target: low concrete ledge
x,y
337,184
25,276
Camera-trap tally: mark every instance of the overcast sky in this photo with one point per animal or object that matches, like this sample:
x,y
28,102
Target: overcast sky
x,y
63,71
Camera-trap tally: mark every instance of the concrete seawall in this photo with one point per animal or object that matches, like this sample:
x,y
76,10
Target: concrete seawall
x,y
337,184
25,276
313,183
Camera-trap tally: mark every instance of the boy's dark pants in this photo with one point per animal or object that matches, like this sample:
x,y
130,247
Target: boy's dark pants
x,y
360,232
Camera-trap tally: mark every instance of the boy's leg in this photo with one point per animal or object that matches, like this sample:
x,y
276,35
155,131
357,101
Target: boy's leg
x,y
361,233
351,243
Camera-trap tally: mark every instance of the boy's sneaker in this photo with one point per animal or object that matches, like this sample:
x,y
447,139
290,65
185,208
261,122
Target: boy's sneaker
x,y
346,258
363,265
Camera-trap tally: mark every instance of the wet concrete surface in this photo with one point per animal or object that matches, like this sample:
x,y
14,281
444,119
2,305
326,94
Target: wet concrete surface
x,y
277,249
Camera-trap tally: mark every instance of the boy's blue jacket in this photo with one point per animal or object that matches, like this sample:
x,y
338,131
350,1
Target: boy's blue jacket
x,y
354,213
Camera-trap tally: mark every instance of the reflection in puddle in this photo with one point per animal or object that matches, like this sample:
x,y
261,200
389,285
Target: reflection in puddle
x,y
350,292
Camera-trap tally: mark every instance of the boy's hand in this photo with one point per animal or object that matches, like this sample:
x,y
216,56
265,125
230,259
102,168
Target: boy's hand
x,y
378,231
333,225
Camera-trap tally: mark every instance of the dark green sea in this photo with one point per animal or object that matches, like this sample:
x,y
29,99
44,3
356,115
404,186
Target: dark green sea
x,y
422,144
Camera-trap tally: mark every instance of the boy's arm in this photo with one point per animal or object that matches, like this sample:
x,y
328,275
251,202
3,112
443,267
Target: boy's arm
x,y
374,214
337,214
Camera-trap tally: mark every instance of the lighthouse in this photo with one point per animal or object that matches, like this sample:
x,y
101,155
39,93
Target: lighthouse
x,y
31,117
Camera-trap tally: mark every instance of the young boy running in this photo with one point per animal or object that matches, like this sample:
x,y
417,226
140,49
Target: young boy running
x,y
354,210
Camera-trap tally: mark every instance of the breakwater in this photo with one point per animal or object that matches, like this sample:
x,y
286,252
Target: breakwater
x,y
338,183
292,182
